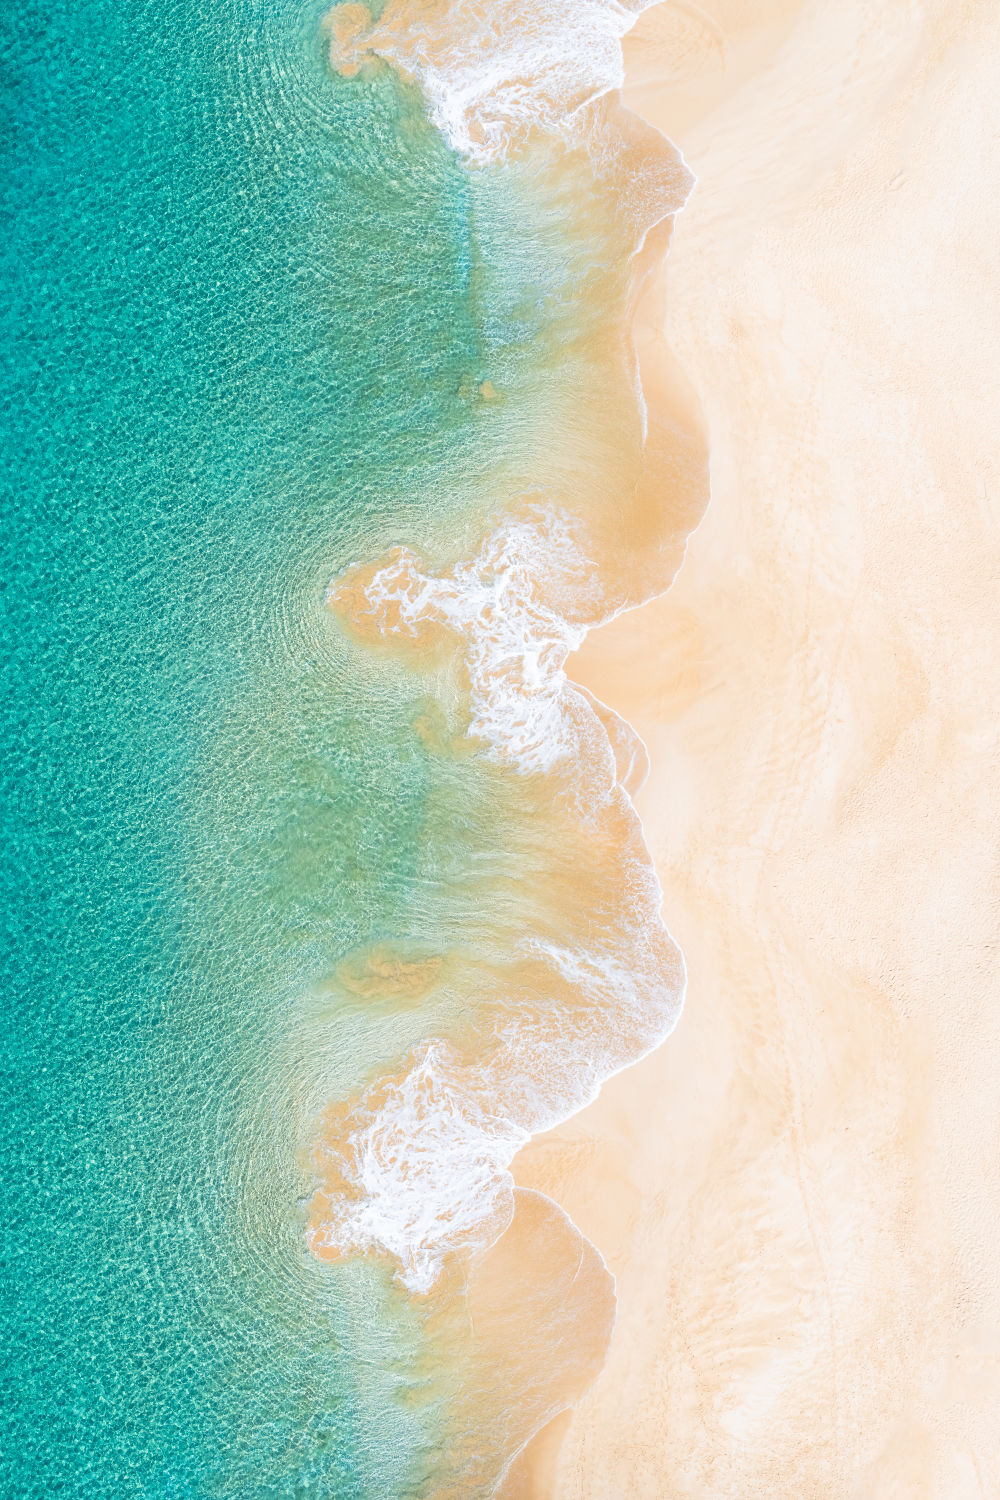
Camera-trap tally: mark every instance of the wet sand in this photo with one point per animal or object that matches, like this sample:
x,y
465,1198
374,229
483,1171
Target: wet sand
x,y
799,1193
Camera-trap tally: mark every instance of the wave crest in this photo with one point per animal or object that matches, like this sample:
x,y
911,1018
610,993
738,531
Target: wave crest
x,y
496,71
417,1167
499,73
515,612
584,978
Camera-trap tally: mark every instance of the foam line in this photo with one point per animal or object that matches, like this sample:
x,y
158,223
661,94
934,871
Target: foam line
x,y
418,1167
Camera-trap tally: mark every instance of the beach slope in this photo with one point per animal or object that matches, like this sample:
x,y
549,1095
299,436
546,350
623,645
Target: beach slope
x,y
798,1194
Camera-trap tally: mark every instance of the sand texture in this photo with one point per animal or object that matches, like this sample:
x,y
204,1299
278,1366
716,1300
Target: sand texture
x,y
799,1194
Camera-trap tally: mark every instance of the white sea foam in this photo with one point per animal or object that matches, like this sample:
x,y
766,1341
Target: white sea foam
x,y
495,70
425,1166
608,1011
510,607
424,1154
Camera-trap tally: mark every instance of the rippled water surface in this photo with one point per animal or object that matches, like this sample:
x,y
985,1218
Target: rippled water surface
x,y
237,356
312,915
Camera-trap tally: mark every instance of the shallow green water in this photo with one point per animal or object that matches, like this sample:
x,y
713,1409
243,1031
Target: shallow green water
x,y
238,325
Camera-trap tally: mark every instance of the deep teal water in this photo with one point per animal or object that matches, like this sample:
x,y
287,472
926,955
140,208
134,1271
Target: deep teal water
x,y
238,319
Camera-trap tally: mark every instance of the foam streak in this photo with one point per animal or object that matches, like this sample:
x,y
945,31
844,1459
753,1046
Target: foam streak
x,y
418,1167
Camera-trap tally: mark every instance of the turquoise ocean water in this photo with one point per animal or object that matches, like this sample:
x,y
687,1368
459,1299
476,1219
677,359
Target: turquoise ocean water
x,y
262,323
237,326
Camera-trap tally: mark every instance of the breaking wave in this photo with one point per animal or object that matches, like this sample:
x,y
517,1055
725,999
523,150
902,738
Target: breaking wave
x,y
417,1168
495,72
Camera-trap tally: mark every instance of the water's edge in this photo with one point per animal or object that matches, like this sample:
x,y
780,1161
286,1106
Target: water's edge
x,y
416,1168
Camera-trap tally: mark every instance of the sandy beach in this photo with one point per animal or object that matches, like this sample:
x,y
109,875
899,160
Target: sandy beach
x,y
799,1193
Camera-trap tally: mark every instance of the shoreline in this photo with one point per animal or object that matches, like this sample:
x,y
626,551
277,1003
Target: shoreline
x,y
590,980
668,403
795,1192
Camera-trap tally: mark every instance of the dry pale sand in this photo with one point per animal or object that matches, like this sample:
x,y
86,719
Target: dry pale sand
x,y
800,1193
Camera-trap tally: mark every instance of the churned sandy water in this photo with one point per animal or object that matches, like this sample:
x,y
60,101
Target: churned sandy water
x,y
787,1209
566,973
